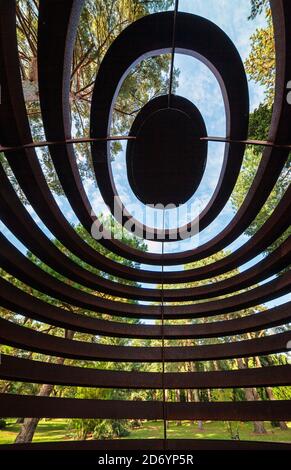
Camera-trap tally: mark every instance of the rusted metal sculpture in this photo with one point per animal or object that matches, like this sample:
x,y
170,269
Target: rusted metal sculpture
x,y
158,33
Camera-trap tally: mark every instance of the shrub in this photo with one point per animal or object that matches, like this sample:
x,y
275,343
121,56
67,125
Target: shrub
x,y
109,428
2,423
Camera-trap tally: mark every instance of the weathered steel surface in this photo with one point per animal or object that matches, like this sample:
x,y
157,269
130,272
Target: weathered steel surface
x,y
150,444
28,339
41,372
18,405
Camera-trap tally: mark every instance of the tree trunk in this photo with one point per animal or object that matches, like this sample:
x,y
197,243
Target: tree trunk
x,y
282,425
196,399
178,399
200,426
29,425
259,427
5,388
251,394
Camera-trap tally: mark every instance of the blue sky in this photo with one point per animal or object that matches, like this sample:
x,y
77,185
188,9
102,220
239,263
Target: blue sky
x,y
197,83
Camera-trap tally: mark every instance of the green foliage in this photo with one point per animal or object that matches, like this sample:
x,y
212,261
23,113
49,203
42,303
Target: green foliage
x,y
110,428
232,427
99,428
250,165
259,125
2,423
257,6
260,64
231,394
282,393
101,21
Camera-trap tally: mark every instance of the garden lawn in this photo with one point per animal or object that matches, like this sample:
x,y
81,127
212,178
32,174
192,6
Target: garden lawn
x,y
47,430
212,430
57,430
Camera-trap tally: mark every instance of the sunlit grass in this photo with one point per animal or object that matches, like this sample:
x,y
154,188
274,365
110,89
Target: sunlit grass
x,y
57,430
52,430
212,430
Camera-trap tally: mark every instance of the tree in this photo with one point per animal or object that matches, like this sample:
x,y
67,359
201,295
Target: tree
x,y
216,365
260,66
29,425
257,6
249,393
100,23
249,169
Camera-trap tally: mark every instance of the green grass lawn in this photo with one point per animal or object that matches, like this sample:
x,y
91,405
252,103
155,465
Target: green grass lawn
x,y
57,430
212,430
52,430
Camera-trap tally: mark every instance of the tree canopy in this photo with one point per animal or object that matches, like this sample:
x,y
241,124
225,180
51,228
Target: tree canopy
x,y
260,67
100,23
